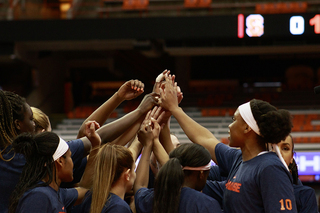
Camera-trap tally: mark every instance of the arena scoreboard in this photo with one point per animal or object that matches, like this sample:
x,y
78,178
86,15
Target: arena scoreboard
x,y
278,25
238,29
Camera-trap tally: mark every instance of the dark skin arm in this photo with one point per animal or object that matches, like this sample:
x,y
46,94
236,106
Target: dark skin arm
x,y
129,90
165,137
149,132
195,132
86,181
111,131
129,134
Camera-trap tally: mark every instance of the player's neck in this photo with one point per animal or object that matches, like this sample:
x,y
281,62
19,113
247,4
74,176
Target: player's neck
x,y
251,149
119,190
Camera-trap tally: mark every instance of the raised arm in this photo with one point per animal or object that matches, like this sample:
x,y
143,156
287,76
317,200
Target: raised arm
x,y
129,90
160,153
111,131
195,132
129,134
135,147
145,136
86,181
164,137
162,145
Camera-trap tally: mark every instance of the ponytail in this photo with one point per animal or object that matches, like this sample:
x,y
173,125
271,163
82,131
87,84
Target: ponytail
x,y
38,151
294,171
106,162
167,187
170,178
111,162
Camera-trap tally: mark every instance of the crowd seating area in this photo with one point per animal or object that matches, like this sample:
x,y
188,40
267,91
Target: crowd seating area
x,y
306,130
69,9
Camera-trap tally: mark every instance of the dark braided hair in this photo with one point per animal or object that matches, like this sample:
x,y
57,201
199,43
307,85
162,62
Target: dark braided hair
x,y
12,107
294,171
274,124
38,151
293,166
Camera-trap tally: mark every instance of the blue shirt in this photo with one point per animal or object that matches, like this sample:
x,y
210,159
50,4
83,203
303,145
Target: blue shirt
x,y
114,204
9,177
261,184
215,189
46,199
306,199
11,171
191,201
216,174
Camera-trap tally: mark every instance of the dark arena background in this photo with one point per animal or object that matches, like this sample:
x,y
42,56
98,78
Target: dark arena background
x,y
68,56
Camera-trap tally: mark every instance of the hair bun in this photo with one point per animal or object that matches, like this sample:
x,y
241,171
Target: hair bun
x,y
25,144
275,125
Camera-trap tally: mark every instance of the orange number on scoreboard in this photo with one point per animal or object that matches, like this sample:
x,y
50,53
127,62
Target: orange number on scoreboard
x,y
254,23
315,21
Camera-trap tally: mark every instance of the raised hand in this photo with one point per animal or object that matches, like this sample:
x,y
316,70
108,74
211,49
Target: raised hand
x,y
161,115
159,79
148,102
145,134
154,119
179,94
131,89
169,94
91,134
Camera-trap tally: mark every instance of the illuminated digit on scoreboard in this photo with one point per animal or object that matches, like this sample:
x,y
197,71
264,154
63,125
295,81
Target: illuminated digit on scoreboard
x,y
255,25
296,25
315,21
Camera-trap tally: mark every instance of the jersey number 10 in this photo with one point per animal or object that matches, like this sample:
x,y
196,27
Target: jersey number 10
x,y
285,205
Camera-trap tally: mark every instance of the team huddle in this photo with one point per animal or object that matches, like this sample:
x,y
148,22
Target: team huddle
x,y
99,171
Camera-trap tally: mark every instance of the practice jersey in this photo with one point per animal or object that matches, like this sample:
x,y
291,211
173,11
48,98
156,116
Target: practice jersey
x,y
191,201
216,174
46,199
306,199
9,177
215,189
114,204
11,171
261,184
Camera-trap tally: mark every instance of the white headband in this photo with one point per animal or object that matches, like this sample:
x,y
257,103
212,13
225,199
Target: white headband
x,y
206,167
61,149
275,148
246,114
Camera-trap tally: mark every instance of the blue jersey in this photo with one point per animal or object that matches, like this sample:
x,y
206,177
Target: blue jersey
x,y
46,199
215,189
261,184
9,177
11,171
114,204
306,199
191,201
216,174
